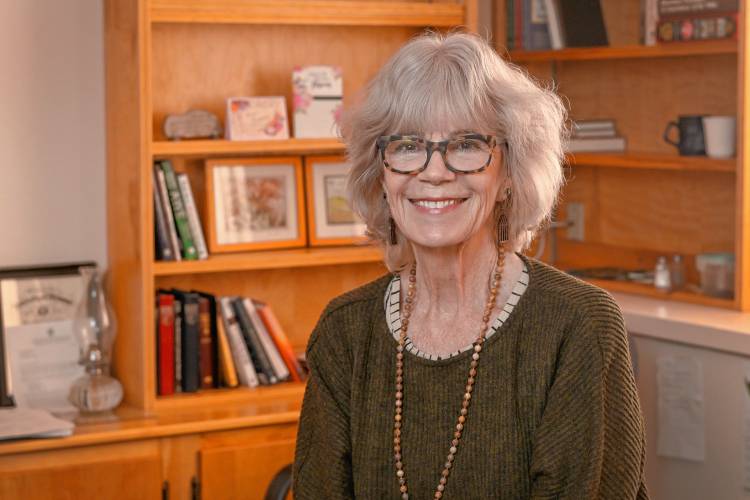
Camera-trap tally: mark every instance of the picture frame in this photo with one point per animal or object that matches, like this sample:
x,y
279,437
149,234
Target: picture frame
x,y
330,219
39,351
255,204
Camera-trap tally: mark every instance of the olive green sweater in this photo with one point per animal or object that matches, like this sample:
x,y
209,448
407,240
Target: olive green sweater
x,y
554,412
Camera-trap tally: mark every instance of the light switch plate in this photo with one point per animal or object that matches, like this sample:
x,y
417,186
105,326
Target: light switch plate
x,y
574,212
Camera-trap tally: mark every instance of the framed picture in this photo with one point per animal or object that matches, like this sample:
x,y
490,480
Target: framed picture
x,y
255,204
39,349
330,219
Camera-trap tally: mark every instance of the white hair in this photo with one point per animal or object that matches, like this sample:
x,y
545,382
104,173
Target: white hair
x,y
457,78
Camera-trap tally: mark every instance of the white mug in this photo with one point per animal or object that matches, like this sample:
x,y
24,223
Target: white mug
x,y
719,134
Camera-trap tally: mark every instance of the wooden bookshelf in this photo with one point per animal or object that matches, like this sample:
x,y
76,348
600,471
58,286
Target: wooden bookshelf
x,y
218,148
626,52
654,161
650,291
270,259
218,398
308,13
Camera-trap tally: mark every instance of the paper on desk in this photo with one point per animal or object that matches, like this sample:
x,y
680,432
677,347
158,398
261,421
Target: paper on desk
x,y
26,422
681,420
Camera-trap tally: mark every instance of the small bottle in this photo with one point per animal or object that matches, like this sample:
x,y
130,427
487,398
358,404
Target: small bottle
x,y
662,278
677,272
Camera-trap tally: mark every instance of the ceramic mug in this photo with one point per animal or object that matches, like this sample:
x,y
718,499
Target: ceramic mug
x,y
690,131
719,132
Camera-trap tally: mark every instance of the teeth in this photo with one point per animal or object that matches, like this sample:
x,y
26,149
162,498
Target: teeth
x,y
435,204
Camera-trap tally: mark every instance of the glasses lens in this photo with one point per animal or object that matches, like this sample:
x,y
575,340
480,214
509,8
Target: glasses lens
x,y
406,154
468,154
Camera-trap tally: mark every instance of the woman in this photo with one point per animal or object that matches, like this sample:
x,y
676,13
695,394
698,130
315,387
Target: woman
x,y
472,372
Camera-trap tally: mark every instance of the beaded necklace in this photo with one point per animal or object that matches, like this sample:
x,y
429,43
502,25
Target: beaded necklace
x,y
398,417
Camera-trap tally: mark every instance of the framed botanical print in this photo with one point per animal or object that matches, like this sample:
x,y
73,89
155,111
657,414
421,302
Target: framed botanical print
x,y
331,221
255,204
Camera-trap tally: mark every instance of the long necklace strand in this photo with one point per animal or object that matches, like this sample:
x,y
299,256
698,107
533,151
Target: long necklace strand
x,y
398,417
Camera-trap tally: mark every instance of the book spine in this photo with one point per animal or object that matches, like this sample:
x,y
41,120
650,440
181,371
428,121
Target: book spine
x,y
696,28
274,356
553,25
191,344
177,344
206,344
241,354
535,25
226,361
180,215
169,215
165,355
613,144
510,23
691,7
650,20
518,22
281,340
260,359
163,245
196,230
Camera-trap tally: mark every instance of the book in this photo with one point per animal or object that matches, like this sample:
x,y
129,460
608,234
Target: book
x,y
650,16
161,183
163,246
263,367
536,34
696,27
317,93
554,25
510,22
269,347
243,363
196,229
178,209
177,343
213,323
691,7
256,118
280,339
165,345
228,371
582,23
190,345
205,351
612,144
518,23
594,133
580,125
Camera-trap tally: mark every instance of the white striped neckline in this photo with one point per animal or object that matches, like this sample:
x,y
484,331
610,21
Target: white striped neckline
x,y
392,303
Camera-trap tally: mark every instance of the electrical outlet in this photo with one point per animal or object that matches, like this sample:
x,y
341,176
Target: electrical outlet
x,y
574,212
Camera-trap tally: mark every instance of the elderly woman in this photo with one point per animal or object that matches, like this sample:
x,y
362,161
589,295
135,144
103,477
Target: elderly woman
x,y
472,371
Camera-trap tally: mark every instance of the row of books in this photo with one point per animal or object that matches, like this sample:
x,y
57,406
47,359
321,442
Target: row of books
x,y
595,136
554,24
667,21
177,225
205,342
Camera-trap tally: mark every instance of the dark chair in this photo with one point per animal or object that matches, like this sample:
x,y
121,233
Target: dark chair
x,y
280,485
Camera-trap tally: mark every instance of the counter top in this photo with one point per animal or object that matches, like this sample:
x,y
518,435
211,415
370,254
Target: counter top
x,y
702,326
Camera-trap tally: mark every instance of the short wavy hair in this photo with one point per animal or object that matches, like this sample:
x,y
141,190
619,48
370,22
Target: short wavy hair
x,y
457,78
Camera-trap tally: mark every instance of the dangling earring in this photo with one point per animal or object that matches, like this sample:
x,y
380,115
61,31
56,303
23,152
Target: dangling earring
x,y
392,230
503,226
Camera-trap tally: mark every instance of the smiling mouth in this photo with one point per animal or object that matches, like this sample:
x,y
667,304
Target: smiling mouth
x,y
437,204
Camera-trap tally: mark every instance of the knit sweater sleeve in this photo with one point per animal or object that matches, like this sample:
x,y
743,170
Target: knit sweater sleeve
x,y
322,463
590,442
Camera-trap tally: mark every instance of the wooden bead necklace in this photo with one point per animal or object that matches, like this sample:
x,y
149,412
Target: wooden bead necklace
x,y
398,418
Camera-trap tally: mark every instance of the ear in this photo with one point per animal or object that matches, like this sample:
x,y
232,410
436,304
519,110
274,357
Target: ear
x,y
502,191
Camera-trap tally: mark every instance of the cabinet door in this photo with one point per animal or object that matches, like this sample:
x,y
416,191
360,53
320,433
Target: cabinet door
x,y
107,472
239,465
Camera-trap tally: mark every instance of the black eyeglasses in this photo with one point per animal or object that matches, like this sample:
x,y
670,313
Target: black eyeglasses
x,y
462,154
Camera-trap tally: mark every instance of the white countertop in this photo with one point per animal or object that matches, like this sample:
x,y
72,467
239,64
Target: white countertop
x,y
697,325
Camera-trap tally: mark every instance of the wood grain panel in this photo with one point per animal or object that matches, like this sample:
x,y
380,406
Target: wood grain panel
x,y
240,465
742,243
199,66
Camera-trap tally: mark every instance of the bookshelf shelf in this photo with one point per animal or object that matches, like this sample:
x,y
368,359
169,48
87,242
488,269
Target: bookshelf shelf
x,y
219,148
278,394
654,161
683,49
650,291
270,259
321,13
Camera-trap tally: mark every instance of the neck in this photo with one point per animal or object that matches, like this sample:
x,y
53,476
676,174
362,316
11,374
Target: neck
x,y
454,279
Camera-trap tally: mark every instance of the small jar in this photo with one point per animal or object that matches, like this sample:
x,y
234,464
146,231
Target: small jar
x,y
677,272
662,278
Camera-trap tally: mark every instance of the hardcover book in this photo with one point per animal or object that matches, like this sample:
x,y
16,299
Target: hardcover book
x,y
272,352
536,34
163,246
280,339
161,186
165,344
263,367
178,209
190,345
317,92
582,23
194,221
228,370
256,118
243,363
205,351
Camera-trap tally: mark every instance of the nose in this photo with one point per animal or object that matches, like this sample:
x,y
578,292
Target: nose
x,y
436,171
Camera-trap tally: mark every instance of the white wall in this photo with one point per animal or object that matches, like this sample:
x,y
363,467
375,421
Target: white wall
x,y
52,138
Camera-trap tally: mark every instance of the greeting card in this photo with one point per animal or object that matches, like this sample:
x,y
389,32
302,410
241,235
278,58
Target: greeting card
x,y
318,92
256,118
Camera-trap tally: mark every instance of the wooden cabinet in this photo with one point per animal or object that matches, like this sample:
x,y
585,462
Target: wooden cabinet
x,y
649,201
104,472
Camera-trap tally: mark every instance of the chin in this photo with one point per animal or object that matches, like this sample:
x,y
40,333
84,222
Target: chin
x,y
435,241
